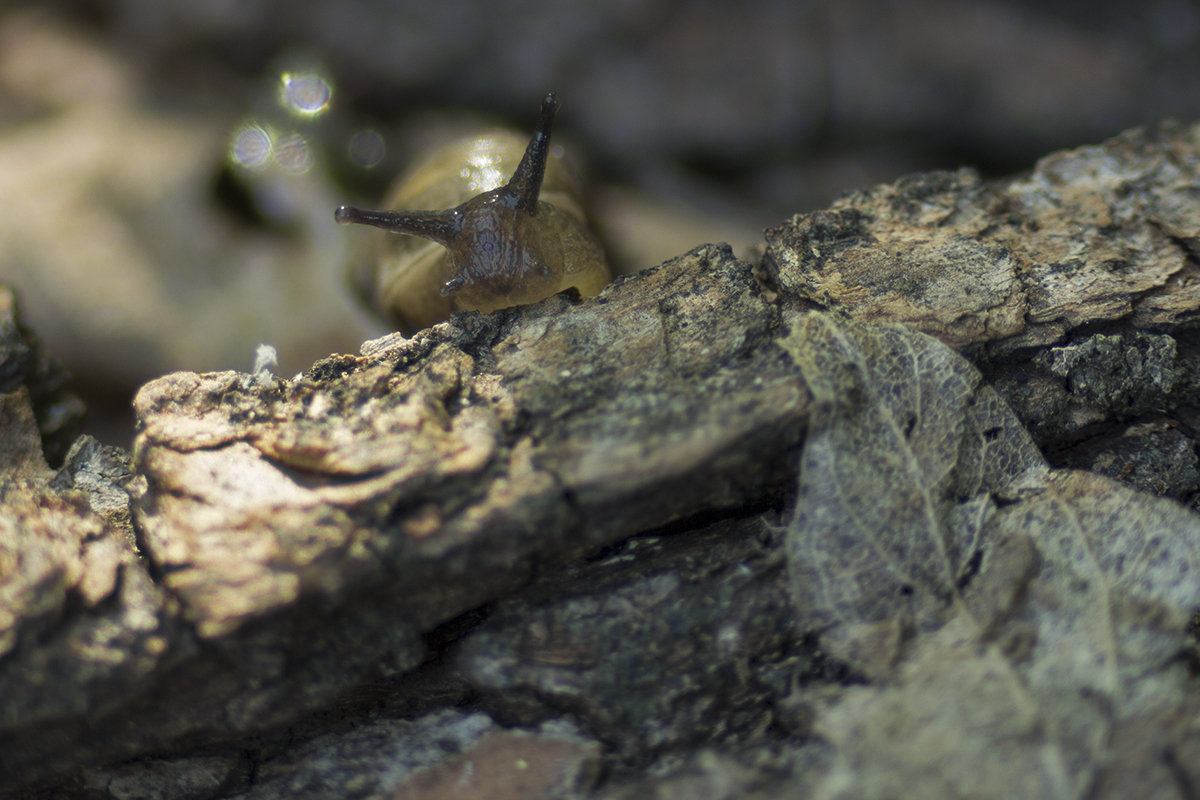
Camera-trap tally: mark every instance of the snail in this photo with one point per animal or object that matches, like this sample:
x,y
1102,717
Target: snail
x,y
495,245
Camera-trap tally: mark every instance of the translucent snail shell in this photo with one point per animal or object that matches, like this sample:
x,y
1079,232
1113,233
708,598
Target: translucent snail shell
x,y
494,244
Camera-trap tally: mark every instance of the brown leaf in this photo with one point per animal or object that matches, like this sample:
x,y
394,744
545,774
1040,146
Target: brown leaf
x,y
906,451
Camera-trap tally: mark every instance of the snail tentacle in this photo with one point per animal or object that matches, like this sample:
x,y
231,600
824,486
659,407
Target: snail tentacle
x,y
442,227
522,190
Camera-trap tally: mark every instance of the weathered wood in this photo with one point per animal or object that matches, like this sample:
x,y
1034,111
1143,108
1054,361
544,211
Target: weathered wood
x,y
275,547
1099,234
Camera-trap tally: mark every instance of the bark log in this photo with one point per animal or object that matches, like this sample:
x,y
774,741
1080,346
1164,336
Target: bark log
x,y
449,516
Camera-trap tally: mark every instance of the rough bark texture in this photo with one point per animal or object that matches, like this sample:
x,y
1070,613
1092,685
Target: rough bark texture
x,y
1075,288
712,533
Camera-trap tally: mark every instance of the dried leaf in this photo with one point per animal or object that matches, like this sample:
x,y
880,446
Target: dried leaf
x,y
1102,622
959,724
906,449
1013,677
1119,579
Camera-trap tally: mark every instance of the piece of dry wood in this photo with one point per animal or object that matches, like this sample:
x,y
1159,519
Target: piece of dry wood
x,y
297,538
1092,235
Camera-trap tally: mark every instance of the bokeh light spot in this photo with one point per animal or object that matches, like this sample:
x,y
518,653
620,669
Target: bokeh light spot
x,y
251,146
305,94
367,148
294,154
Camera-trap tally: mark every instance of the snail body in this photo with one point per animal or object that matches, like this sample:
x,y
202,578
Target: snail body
x,y
511,230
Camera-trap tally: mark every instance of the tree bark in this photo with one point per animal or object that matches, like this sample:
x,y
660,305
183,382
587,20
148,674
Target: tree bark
x,y
580,516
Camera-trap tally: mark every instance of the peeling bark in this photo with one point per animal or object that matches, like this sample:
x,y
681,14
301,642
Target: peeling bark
x,y
448,517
